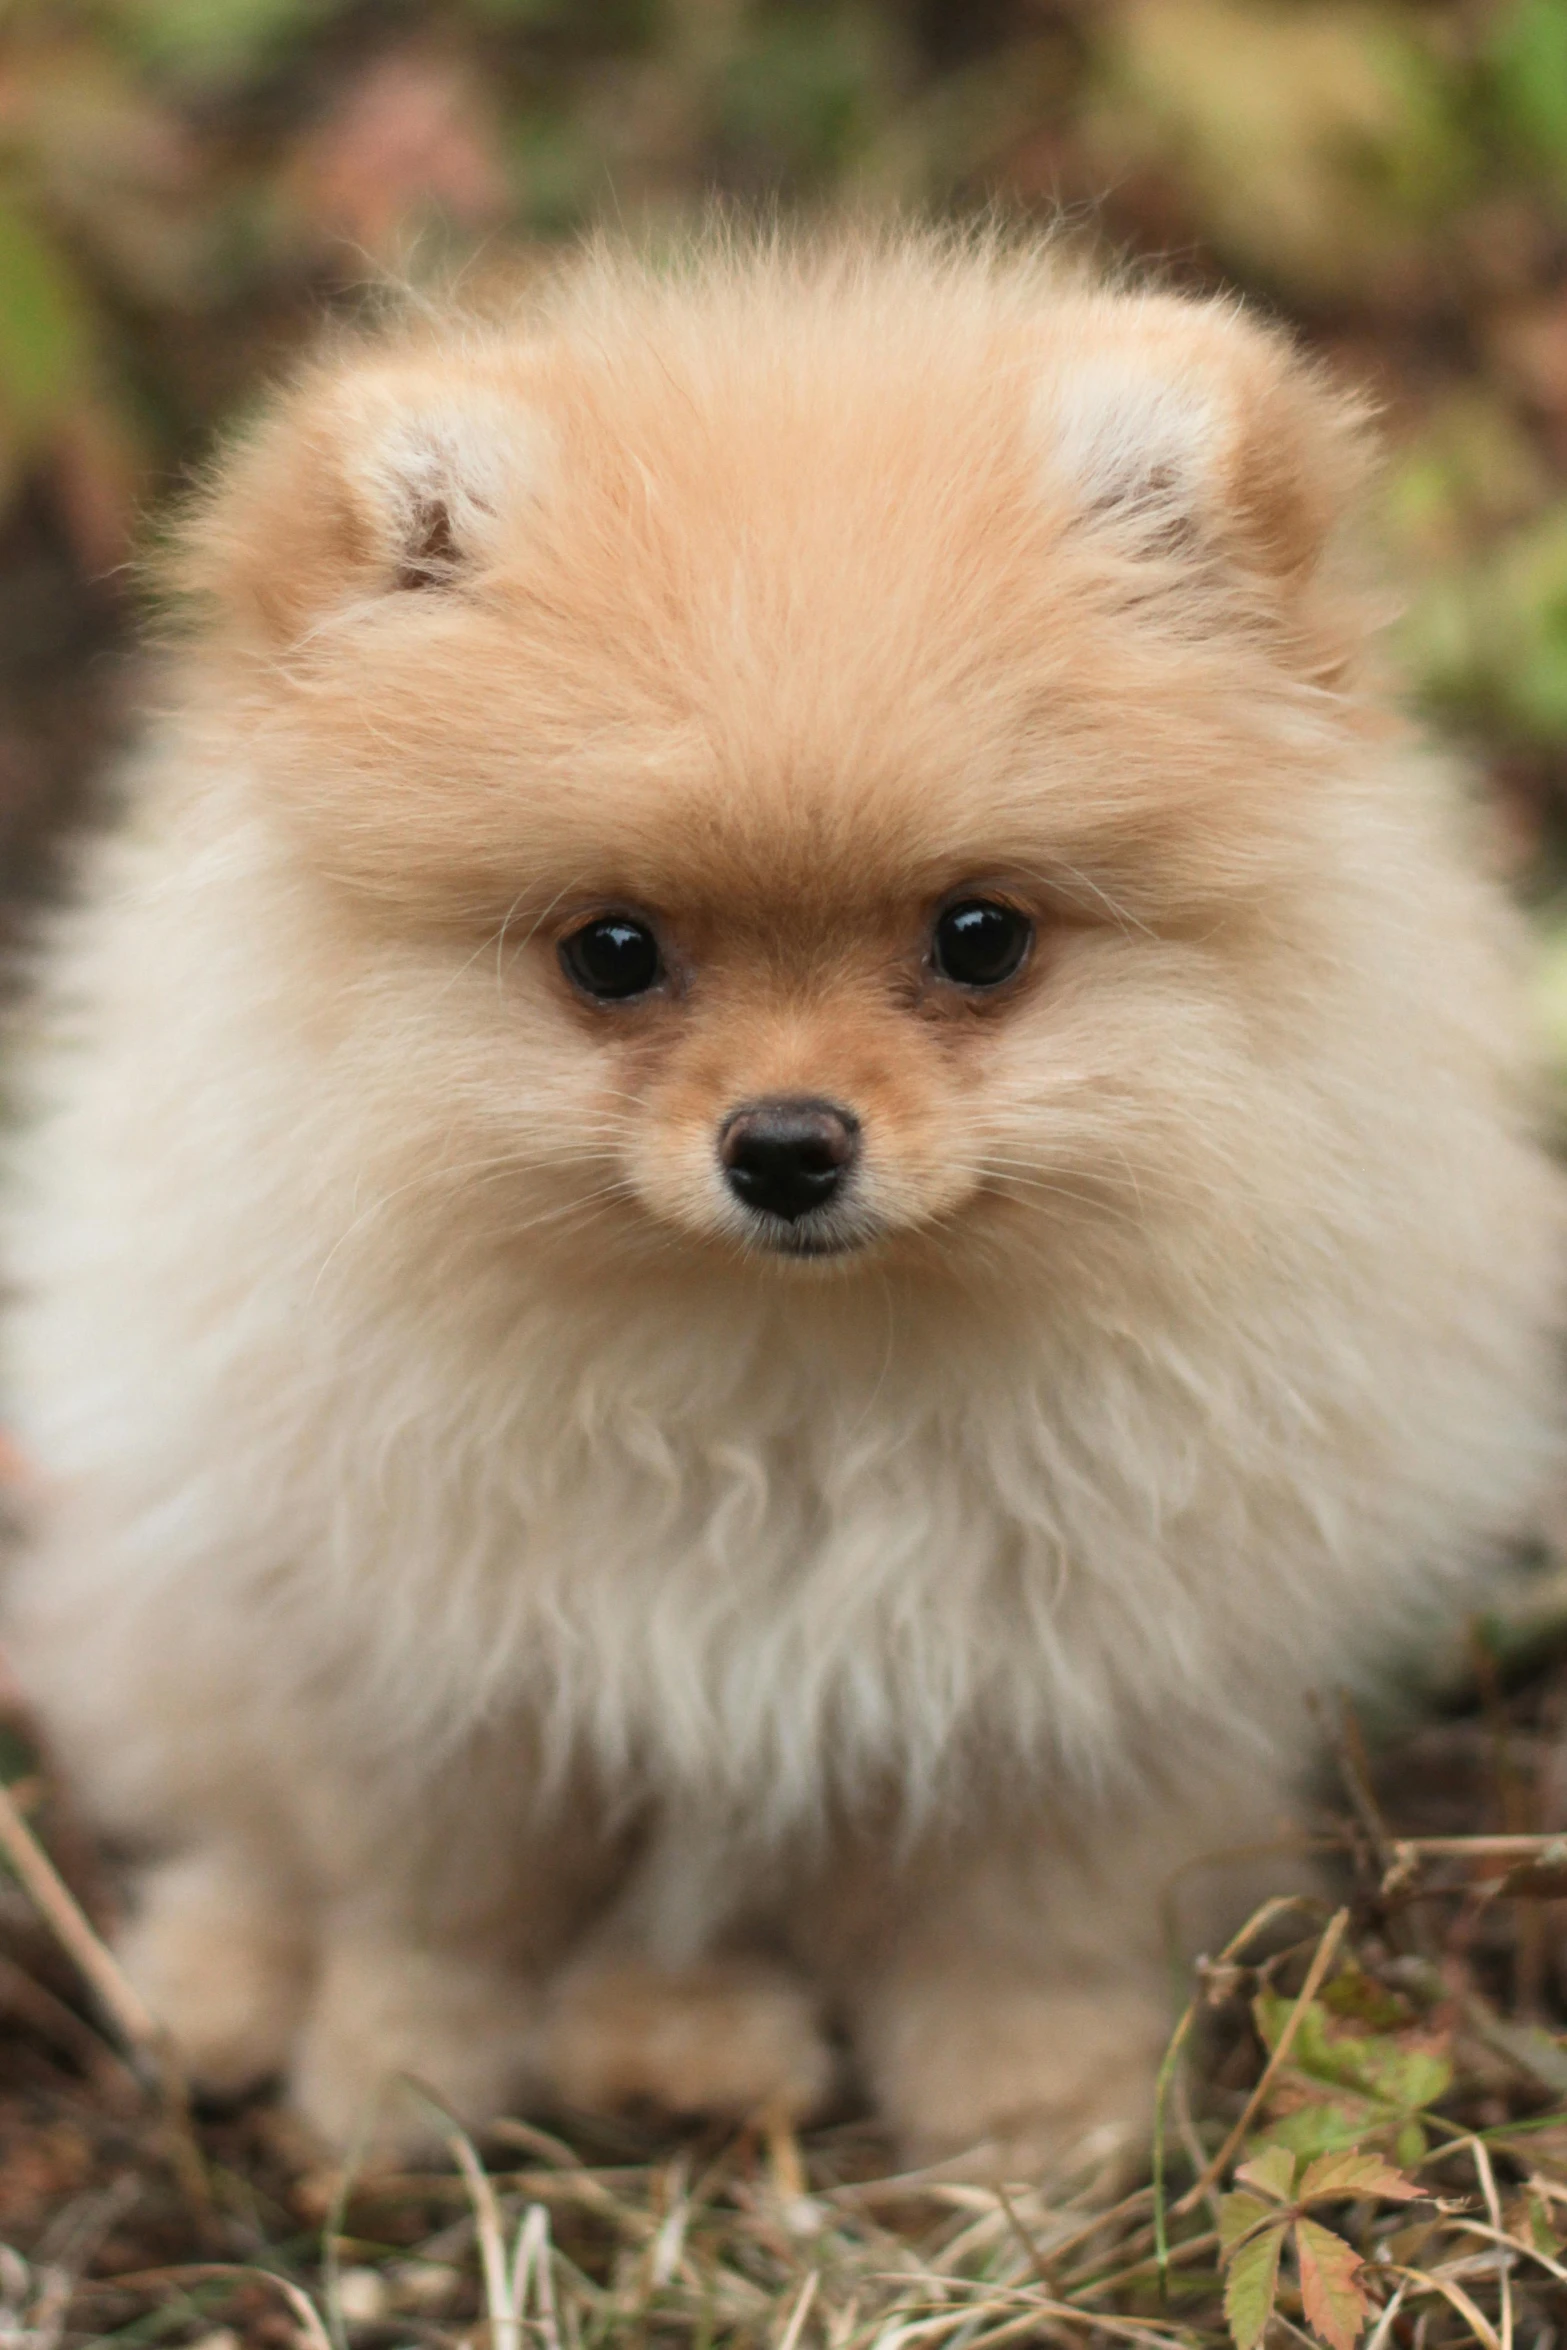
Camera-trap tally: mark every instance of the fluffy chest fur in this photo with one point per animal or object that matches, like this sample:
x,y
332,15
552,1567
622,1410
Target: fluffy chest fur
x,y
798,1580
768,1549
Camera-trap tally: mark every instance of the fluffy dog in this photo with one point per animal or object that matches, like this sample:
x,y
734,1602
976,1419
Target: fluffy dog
x,y
784,1167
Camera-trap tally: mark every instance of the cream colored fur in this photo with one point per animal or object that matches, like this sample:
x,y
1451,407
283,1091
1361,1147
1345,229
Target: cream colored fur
x,y
538,1638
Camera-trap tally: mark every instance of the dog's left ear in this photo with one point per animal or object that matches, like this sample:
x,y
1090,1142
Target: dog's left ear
x,y
377,474
1184,428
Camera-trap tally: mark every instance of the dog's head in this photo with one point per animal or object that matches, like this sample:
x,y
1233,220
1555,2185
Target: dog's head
x,y
813,758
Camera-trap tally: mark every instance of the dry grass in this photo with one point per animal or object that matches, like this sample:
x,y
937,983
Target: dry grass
x,y
1420,2024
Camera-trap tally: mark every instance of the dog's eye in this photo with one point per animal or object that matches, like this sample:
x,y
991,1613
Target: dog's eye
x,y
613,957
980,942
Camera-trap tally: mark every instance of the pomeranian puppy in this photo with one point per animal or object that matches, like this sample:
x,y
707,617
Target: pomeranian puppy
x,y
785,1166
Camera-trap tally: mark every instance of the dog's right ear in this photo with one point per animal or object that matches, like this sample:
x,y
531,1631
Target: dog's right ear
x,y
386,477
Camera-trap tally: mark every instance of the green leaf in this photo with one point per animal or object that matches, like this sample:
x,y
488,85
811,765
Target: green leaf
x,y
44,339
1542,2235
1492,638
1326,2125
557,166
1405,2071
216,40
1528,59
1335,2306
1409,2078
1312,143
1251,2285
1272,2172
804,92
1355,1994
1356,2174
1238,2215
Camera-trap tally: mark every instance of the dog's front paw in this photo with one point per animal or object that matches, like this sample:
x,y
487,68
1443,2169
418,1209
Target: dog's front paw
x,y
729,2038
1016,2080
223,1964
390,2020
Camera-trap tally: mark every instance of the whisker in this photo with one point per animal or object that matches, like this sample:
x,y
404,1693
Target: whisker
x,y
1188,1185
1123,920
465,1170
1028,1179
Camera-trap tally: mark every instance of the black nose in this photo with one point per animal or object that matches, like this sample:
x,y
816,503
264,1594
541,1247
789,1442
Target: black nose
x,y
786,1156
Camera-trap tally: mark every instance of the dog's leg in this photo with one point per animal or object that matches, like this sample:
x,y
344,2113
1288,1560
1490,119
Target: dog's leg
x,y
220,1947
447,1908
395,2014
667,2007
1011,1993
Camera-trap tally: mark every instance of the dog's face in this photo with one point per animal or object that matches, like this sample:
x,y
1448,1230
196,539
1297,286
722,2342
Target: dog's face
x,y
808,767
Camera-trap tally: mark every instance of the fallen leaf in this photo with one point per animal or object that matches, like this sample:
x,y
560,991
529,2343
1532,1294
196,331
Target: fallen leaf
x,y
1353,2173
1238,2215
1335,2306
1250,2286
1272,2172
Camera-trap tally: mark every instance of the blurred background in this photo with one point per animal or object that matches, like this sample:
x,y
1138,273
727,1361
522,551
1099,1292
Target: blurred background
x,y
187,186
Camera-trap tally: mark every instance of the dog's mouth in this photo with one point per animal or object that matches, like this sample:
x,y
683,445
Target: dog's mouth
x,y
806,1239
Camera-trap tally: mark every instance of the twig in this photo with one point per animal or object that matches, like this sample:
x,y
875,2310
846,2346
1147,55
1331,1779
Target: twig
x,y
783,2157
1480,1847
53,2020
1513,2244
505,2323
113,1989
151,2280
801,2311
1031,2251
1424,2281
530,2274
1327,1950
1377,2338
1349,1752
67,1920
1493,2205
1256,1924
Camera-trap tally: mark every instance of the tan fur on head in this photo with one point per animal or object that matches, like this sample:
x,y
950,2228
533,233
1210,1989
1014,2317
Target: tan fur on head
x,y
476,1529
